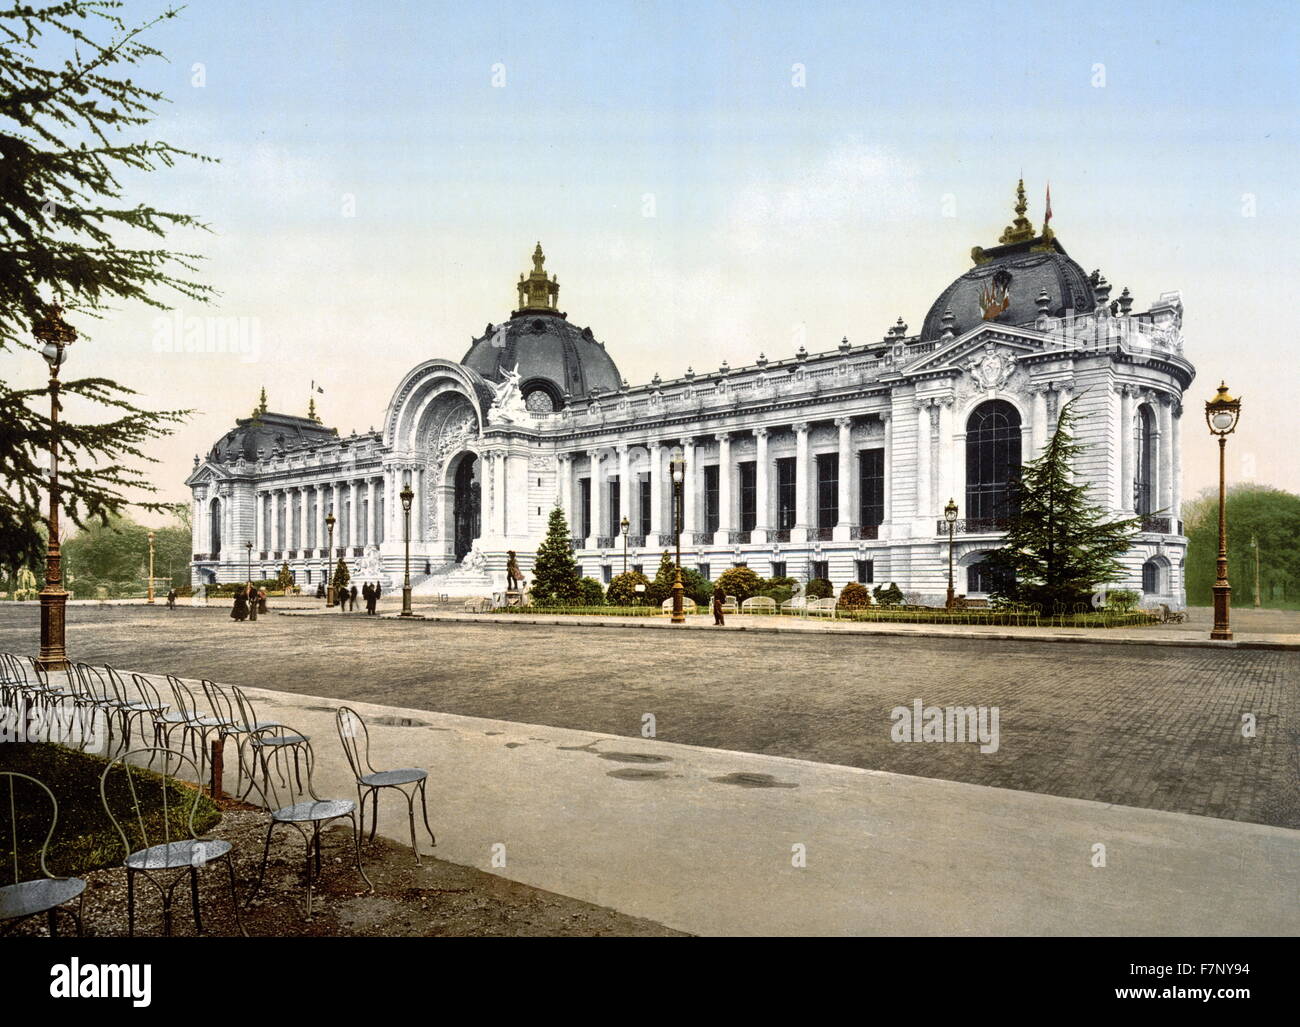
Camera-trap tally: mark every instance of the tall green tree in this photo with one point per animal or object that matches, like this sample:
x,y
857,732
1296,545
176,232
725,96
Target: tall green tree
x,y
71,122
1269,516
556,578
1060,547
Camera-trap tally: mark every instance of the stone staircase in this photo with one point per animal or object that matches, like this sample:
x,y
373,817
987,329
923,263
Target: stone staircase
x,y
453,579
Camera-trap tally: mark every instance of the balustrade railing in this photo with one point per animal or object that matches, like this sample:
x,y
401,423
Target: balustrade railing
x,y
973,525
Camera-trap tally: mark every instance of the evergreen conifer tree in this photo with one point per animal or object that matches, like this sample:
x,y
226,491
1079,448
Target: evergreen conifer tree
x,y
1059,547
555,571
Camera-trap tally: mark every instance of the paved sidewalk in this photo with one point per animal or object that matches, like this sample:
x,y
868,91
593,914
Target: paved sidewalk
x,y
1179,635
701,839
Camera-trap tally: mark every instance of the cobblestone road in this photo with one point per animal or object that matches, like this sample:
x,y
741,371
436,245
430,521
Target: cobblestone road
x,y
1159,727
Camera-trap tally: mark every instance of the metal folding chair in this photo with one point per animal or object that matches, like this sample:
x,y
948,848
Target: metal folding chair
x,y
296,805
46,893
355,737
168,854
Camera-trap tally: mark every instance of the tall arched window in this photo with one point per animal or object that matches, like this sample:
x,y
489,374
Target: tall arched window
x,y
1151,578
214,527
992,461
1145,448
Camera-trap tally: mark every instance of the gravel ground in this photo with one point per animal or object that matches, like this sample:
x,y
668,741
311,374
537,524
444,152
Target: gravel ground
x,y
439,899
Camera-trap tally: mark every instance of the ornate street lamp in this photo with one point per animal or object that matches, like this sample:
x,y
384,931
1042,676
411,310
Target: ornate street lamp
x,y
252,600
329,560
407,496
678,465
624,525
1221,415
150,599
55,336
950,515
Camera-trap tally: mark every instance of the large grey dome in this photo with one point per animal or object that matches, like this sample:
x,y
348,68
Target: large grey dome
x,y
553,357
266,434
1007,279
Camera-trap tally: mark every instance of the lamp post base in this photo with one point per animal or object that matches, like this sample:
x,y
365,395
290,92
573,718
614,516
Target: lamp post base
x,y
53,655
406,601
951,600
1222,606
679,612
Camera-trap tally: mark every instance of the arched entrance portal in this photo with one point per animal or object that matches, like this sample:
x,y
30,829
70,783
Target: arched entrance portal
x,y
467,507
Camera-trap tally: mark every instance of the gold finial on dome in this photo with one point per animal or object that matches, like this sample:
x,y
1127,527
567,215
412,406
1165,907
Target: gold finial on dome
x,y
537,292
1020,230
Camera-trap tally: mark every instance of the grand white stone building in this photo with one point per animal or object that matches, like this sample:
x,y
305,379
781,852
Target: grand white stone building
x,y
834,464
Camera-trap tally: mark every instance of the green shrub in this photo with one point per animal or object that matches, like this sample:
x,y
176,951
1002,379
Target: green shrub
x,y
854,597
740,582
1122,600
819,588
591,592
622,590
891,596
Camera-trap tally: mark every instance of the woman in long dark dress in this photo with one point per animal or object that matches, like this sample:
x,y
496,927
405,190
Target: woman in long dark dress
x,y
240,611
719,597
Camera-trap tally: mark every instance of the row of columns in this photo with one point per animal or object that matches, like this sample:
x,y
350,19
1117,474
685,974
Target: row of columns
x,y
301,531
661,515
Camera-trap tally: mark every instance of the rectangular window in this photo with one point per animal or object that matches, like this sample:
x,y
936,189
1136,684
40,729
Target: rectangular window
x,y
778,568
820,569
584,507
785,471
866,571
704,571
615,514
643,528
606,572
638,568
747,472
828,489
871,478
711,508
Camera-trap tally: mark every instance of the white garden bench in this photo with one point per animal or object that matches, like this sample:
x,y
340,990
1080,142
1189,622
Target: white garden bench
x,y
758,604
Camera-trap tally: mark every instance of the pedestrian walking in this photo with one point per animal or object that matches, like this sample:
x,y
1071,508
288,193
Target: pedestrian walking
x,y
354,598
718,599
171,599
240,610
261,600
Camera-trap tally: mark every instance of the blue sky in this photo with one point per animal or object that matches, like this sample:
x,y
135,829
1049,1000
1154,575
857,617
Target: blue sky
x,y
781,213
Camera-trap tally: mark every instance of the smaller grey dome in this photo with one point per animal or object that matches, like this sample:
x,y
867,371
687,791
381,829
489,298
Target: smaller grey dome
x,y
266,434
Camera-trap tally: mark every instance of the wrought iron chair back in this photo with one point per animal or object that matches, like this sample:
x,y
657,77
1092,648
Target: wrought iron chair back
x,y
183,700
10,778
125,806
34,889
267,764
355,737
223,709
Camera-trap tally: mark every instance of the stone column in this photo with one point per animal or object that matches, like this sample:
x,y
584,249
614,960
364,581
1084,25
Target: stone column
x,y
564,487
1038,420
655,528
370,511
275,520
1165,462
322,504
302,520
723,536
353,507
924,488
624,488
801,484
844,522
1176,451
259,532
887,418
1128,463
688,491
762,498
947,448
593,496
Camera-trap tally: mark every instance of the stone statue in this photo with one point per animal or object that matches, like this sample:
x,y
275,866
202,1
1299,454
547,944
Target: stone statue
x,y
513,573
508,402
475,560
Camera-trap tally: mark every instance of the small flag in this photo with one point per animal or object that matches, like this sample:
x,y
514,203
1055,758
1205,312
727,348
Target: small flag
x,y
316,387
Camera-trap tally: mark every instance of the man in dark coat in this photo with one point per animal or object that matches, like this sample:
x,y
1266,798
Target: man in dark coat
x,y
718,599
171,599
354,598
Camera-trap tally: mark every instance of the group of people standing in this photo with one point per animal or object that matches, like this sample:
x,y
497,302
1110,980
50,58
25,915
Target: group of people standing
x,y
347,598
249,602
